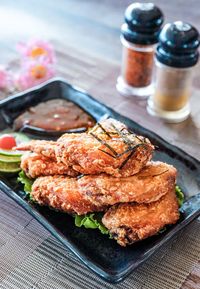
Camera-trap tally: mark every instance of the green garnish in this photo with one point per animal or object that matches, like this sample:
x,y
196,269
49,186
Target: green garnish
x,y
180,196
27,182
91,221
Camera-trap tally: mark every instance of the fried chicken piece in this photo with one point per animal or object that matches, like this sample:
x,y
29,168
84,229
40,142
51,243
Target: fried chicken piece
x,y
149,185
107,148
62,193
131,222
95,193
35,165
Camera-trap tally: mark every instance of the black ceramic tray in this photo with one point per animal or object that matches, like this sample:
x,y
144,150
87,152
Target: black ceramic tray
x,y
101,254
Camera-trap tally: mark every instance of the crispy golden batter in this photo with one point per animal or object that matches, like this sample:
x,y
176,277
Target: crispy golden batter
x,y
131,222
151,183
62,193
35,165
108,148
95,193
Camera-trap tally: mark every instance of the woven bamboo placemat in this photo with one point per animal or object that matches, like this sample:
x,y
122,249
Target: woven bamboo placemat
x,y
31,258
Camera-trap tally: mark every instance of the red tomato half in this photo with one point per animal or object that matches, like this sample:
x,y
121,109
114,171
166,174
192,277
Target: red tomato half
x,y
7,142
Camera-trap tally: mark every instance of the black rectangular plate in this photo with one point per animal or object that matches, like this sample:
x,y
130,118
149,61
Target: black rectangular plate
x,y
101,254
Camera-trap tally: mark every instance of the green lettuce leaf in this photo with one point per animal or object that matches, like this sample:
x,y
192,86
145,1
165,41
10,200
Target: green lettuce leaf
x,y
27,182
180,196
91,221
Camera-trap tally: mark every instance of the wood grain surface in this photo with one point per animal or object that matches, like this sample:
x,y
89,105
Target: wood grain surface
x,y
86,36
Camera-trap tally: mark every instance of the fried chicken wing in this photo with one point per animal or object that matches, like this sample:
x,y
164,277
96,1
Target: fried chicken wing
x,y
131,222
95,193
107,148
62,193
151,183
35,165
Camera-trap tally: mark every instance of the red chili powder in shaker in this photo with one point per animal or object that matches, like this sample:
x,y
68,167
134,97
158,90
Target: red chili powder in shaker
x,y
138,67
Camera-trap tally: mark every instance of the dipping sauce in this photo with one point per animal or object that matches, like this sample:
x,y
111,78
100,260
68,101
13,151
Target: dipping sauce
x,y
55,115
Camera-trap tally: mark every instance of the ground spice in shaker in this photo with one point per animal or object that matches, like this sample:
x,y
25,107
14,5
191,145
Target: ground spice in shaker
x,y
176,55
139,34
138,67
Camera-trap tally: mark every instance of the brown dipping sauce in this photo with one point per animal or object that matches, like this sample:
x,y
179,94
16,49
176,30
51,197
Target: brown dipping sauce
x,y
55,115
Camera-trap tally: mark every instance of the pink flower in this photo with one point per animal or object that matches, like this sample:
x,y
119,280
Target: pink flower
x,y
33,73
36,48
5,79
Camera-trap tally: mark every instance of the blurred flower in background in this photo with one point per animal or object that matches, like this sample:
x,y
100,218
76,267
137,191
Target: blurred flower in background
x,y
36,48
34,72
36,65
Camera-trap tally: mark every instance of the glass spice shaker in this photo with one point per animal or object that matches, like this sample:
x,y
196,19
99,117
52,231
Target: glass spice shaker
x,y
139,34
176,57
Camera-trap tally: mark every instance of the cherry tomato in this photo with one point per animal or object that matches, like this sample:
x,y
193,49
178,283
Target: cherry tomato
x,y
7,142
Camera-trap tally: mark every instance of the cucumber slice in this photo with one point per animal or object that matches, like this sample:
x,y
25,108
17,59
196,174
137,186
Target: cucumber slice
x,y
10,158
10,153
10,173
9,167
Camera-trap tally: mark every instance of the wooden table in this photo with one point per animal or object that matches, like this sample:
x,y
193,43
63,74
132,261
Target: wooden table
x,y
86,36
